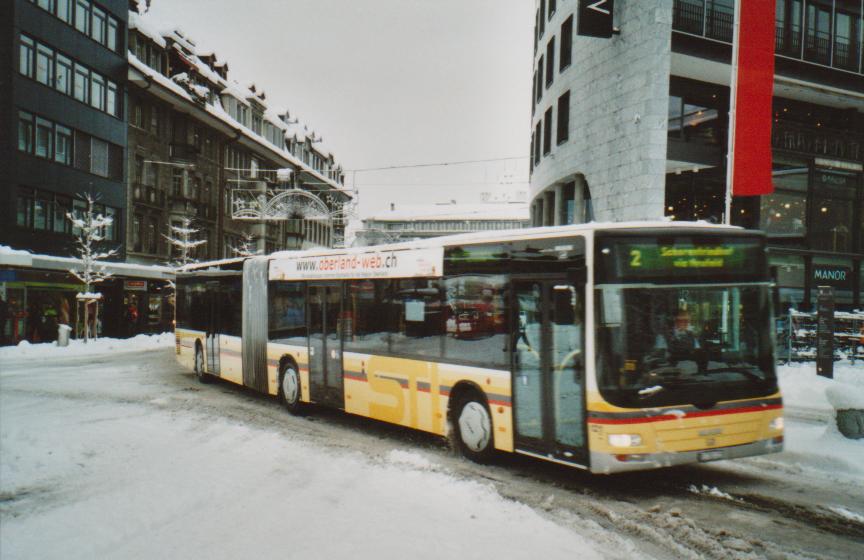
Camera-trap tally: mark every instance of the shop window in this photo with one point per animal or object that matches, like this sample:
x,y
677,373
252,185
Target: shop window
x,y
566,44
26,56
834,196
784,212
789,273
476,319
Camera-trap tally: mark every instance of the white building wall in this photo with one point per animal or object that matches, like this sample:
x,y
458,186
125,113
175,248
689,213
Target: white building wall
x,y
619,91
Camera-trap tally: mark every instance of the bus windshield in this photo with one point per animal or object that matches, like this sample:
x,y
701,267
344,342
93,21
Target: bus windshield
x,y
694,344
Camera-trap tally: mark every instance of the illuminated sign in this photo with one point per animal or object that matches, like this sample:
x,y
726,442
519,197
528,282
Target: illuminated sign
x,y
403,263
682,257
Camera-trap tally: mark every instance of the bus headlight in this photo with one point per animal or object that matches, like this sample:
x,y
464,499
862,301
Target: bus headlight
x,y
625,440
776,424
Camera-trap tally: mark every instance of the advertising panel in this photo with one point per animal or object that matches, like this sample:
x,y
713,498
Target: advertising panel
x,y
400,263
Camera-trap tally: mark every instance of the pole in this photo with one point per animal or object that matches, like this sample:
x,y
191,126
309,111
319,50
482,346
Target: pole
x,y
733,93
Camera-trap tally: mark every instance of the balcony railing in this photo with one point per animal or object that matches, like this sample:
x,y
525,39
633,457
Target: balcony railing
x,y
717,22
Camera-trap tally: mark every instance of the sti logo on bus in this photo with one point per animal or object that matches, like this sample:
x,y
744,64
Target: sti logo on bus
x,y
595,18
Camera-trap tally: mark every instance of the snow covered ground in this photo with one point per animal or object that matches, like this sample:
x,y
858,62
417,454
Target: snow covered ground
x,y
110,450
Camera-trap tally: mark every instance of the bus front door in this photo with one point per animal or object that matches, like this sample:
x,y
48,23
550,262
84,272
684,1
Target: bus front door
x,y
548,369
325,344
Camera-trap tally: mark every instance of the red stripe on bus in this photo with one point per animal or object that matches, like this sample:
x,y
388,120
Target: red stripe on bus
x,y
666,417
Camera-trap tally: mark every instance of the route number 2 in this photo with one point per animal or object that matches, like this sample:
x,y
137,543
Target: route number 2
x,y
635,258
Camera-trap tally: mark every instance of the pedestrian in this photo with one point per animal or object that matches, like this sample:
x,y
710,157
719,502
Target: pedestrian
x,y
4,314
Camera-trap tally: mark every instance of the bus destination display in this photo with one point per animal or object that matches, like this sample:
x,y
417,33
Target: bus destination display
x,y
636,259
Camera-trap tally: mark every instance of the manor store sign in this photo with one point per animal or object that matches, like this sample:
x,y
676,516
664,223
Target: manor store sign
x,y
837,276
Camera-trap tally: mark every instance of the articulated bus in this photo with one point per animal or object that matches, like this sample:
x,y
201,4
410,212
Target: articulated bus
x,y
609,348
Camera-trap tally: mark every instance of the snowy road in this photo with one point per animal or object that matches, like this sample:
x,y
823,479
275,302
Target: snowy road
x,y
125,455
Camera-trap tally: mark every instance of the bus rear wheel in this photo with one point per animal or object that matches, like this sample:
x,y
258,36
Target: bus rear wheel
x,y
472,429
289,389
202,376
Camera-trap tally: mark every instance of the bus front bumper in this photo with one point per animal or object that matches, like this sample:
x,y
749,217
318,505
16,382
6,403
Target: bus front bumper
x,y
606,463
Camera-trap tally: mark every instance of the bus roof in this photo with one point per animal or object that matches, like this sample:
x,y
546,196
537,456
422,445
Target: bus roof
x,y
476,237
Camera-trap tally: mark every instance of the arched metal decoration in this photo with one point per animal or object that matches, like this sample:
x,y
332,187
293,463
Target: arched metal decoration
x,y
256,205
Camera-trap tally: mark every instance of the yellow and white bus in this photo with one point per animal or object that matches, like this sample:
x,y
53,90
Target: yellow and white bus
x,y
610,348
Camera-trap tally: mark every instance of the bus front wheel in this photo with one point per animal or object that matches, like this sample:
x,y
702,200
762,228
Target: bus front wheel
x,y
199,366
472,429
289,389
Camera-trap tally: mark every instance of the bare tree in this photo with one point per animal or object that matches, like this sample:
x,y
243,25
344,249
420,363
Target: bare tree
x,y
91,233
183,237
248,246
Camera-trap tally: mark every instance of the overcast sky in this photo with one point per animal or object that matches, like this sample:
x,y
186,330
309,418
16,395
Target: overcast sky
x,y
387,82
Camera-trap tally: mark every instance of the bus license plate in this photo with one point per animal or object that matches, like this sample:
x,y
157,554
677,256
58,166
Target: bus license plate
x,y
706,456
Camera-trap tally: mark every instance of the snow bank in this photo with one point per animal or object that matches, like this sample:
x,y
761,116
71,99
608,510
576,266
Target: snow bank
x,y
806,394
93,347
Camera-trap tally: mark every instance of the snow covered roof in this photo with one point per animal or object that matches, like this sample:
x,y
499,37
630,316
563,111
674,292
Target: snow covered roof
x,y
16,257
146,28
449,212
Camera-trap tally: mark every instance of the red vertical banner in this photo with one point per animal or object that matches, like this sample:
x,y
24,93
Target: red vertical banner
x,y
751,142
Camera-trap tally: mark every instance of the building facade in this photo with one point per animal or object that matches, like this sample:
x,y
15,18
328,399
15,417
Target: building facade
x,y
636,127
408,224
63,72
202,146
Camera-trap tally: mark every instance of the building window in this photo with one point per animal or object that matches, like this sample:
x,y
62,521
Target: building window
x,y
97,92
63,145
542,27
552,8
26,56
64,75
847,24
537,144
24,214
113,33
64,10
82,83
44,138
97,32
111,99
566,43
25,132
137,220
45,65
817,33
99,157
550,61
563,118
41,219
62,207
540,79
547,131
82,16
